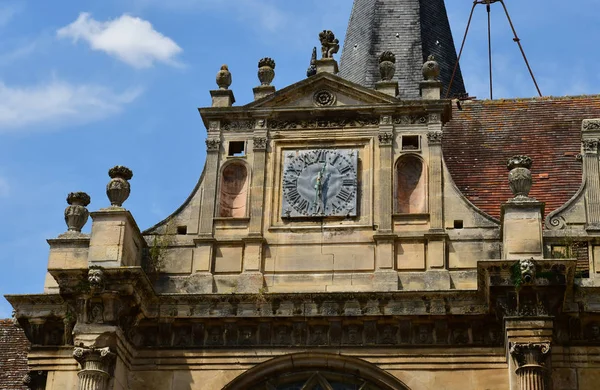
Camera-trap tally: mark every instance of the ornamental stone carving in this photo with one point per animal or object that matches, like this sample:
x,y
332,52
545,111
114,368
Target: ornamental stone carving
x,y
590,146
213,145
224,77
329,44
259,143
530,359
76,214
434,137
519,177
35,380
386,139
431,69
324,98
387,65
324,123
96,366
266,71
527,271
312,69
118,187
96,279
591,124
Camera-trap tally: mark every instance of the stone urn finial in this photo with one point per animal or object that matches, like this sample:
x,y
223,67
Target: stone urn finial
x,y
519,177
431,69
224,77
118,187
266,70
76,213
387,65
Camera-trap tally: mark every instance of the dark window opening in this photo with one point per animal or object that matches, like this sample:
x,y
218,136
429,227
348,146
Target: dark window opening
x,y
458,224
410,142
181,229
236,148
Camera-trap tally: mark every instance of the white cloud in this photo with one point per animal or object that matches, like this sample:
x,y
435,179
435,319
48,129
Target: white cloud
x,y
58,102
130,39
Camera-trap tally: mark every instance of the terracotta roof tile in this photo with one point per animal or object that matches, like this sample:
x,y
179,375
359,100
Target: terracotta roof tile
x,y
13,356
484,134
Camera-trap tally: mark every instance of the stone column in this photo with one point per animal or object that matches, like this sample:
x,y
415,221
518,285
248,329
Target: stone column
x,y
530,359
96,366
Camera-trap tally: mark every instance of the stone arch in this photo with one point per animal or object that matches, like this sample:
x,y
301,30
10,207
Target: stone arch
x,y
410,178
233,189
312,368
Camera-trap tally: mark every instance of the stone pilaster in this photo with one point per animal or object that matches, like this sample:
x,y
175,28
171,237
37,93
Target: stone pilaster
x,y
207,211
257,188
386,153
591,135
530,359
436,209
96,367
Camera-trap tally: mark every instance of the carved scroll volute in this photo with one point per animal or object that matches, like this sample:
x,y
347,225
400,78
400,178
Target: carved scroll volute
x,y
532,360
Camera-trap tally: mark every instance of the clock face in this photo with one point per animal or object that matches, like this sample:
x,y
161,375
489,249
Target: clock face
x,y
319,182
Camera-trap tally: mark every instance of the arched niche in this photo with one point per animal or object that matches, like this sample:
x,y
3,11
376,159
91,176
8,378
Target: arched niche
x,y
233,190
410,185
314,370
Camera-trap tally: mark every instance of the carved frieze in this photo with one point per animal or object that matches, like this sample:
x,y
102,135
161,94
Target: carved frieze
x,y
410,120
591,124
241,125
259,143
386,138
340,123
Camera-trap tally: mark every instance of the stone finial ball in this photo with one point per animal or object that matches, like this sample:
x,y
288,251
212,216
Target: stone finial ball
x,y
431,69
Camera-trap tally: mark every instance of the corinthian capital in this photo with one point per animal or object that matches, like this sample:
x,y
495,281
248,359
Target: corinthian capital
x,y
530,354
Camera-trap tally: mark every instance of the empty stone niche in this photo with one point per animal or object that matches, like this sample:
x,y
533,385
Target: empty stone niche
x,y
411,185
233,190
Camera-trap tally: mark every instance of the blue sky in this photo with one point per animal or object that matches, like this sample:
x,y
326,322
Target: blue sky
x,y
86,85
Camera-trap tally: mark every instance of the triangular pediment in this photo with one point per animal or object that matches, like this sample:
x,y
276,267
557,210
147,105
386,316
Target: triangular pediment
x,y
323,90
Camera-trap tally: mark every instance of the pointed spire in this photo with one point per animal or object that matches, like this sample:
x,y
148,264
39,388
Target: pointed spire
x,y
377,26
312,69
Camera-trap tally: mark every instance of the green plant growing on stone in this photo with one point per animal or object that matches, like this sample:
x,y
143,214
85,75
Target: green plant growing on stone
x,y
155,261
515,275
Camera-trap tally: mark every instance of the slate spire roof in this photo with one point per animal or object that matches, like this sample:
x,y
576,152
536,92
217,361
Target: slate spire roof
x,y
412,30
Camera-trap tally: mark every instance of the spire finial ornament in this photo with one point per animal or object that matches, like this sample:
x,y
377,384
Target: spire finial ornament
x,y
224,77
329,44
312,69
266,70
431,69
387,65
519,177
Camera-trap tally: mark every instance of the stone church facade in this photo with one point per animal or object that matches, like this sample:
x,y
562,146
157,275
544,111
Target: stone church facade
x,y
355,230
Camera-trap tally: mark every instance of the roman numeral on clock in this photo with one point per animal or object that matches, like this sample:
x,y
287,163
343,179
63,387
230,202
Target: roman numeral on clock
x,y
293,196
344,195
348,182
345,169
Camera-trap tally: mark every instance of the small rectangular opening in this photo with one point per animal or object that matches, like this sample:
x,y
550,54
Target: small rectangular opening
x,y
410,142
458,224
181,229
236,148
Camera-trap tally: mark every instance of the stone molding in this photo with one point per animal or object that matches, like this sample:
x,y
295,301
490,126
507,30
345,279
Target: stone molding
x,y
213,145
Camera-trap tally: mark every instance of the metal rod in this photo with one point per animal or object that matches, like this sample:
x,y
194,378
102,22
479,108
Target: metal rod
x,y
516,39
489,20
462,46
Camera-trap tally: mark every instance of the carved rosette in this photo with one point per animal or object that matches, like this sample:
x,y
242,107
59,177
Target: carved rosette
x,y
590,146
35,380
76,213
213,145
96,365
266,71
431,69
324,98
519,177
118,187
386,139
435,137
387,65
530,359
259,143
224,77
